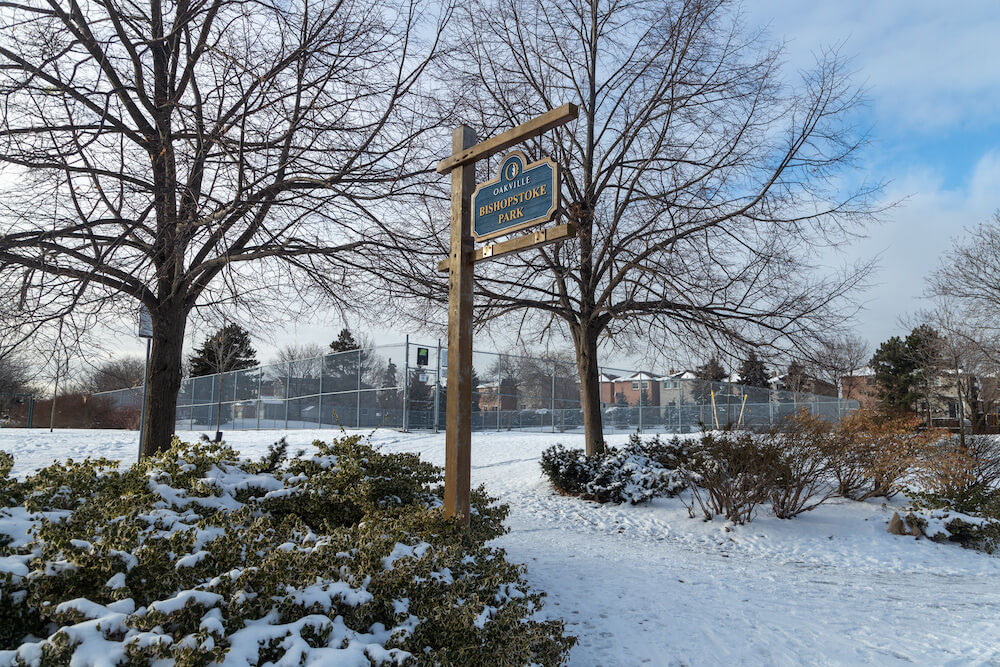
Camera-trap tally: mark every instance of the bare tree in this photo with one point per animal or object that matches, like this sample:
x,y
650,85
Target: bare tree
x,y
837,359
298,352
206,154
703,185
965,291
969,274
120,373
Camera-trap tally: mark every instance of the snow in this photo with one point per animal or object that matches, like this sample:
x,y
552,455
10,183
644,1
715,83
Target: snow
x,y
646,584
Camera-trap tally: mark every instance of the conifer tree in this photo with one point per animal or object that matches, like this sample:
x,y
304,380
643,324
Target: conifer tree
x,y
712,370
752,372
228,349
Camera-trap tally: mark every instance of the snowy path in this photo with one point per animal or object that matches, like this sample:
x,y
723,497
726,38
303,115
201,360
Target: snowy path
x,y
648,585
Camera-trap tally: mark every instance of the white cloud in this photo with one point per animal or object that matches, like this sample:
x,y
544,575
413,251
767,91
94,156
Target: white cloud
x,y
929,64
929,219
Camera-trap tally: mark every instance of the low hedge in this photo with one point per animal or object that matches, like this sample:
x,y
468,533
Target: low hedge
x,y
197,556
635,473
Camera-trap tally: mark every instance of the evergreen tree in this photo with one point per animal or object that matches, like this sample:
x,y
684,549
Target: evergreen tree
x,y
345,341
340,369
752,371
894,373
712,370
388,394
906,370
228,349
419,397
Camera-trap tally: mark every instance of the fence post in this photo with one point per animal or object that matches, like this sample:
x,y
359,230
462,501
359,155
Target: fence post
x,y
288,389
319,413
406,384
232,409
552,414
437,387
499,382
640,402
260,375
357,420
680,402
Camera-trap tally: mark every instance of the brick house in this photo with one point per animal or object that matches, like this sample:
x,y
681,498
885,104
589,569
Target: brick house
x,y
630,389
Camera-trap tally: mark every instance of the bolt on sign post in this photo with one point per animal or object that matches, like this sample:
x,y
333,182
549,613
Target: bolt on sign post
x,y
522,195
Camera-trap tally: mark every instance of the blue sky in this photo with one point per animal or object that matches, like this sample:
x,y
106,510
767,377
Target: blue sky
x,y
932,74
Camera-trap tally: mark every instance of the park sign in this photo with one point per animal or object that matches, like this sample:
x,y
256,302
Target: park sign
x,y
522,195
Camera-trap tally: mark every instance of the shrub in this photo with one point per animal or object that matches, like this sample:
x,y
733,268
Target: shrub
x,y
803,452
616,476
972,521
959,472
730,474
673,454
196,556
875,452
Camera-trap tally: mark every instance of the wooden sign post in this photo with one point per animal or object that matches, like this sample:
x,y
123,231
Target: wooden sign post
x,y
462,166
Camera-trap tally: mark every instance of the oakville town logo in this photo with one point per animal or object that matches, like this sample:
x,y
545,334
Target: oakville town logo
x,y
522,195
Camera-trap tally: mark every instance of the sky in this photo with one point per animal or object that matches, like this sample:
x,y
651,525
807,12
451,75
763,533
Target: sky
x,y
932,77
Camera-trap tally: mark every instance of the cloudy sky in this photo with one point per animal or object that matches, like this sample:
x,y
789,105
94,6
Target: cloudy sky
x,y
933,78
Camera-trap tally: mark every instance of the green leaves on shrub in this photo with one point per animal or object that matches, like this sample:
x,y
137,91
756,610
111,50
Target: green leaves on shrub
x,y
633,474
197,556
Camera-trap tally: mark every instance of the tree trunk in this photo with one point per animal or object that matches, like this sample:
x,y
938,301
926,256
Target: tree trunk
x,y
165,360
585,341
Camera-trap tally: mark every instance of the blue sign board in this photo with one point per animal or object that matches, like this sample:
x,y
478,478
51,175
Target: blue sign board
x,y
522,195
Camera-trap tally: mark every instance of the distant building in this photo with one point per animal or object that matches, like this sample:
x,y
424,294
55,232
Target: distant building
x,y
860,386
630,389
489,398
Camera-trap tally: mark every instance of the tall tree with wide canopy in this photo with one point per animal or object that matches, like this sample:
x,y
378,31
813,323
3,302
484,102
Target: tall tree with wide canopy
x,y
185,154
703,181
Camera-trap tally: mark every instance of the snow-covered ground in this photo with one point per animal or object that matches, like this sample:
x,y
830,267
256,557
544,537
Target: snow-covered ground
x,y
648,585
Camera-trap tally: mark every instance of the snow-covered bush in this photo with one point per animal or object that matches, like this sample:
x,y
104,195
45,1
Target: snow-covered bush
x,y
616,476
731,474
940,521
196,556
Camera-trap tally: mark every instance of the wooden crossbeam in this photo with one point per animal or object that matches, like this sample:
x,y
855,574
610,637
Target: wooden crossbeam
x,y
521,243
505,140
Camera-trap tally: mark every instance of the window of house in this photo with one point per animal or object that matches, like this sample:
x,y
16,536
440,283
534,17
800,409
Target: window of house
x,y
635,384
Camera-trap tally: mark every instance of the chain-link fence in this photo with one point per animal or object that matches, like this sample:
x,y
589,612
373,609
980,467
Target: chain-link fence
x,y
404,387
17,410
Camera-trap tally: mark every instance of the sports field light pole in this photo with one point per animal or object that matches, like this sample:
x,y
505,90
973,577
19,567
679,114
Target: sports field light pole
x,y
506,214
